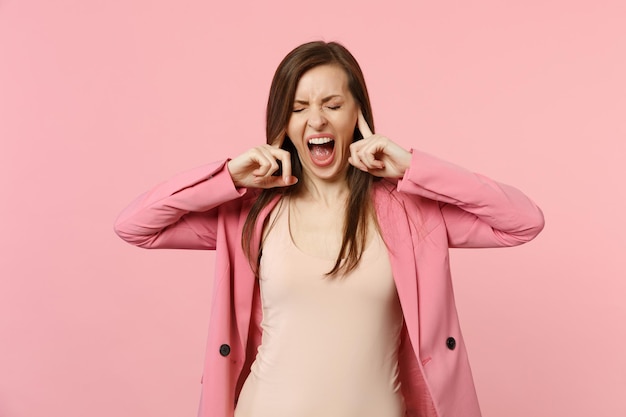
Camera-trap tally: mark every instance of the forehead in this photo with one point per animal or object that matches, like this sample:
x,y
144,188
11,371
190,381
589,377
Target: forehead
x,y
323,80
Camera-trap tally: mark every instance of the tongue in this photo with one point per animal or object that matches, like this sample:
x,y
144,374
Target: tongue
x,y
321,152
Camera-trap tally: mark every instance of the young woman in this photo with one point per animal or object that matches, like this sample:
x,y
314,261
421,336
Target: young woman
x,y
332,293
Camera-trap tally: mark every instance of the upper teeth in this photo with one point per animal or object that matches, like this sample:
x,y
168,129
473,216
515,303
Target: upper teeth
x,y
319,141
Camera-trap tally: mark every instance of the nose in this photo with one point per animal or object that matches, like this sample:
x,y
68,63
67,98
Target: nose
x,y
317,120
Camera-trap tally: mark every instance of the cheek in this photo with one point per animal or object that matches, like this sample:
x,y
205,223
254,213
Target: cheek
x,y
293,126
349,124
289,131
352,117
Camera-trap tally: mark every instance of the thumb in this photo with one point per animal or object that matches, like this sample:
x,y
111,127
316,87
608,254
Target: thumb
x,y
276,181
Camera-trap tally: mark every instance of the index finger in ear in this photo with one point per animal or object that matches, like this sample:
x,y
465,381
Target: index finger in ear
x,y
285,163
363,126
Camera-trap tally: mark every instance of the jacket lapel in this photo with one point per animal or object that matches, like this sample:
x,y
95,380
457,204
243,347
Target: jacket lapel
x,y
396,231
244,284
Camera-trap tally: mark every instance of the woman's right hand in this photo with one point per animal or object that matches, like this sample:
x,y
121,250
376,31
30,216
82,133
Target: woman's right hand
x,y
254,168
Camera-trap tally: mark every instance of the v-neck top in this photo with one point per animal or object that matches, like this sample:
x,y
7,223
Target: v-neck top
x,y
330,344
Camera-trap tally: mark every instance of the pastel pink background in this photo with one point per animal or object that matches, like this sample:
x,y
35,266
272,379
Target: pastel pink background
x,y
99,100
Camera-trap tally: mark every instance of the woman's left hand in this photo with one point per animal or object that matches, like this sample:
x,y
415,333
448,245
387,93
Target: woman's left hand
x,y
377,154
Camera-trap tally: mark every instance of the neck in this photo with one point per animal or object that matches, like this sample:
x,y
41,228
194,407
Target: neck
x,y
325,192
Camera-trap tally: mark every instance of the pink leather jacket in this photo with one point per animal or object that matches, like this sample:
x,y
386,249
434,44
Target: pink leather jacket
x,y
435,206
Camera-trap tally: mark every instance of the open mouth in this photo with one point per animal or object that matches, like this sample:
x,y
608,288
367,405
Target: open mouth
x,y
322,150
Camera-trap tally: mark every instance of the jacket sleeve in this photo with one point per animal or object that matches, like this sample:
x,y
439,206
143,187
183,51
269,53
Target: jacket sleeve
x,y
477,211
180,213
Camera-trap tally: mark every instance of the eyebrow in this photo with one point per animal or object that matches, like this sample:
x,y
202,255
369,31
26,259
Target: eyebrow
x,y
324,100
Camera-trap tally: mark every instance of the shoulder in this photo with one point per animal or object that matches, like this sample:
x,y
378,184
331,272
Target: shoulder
x,y
385,193
238,210
392,205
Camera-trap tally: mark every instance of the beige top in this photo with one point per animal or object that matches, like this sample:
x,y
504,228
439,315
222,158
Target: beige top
x,y
330,344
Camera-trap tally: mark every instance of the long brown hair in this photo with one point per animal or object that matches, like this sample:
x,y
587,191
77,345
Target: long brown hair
x,y
279,109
